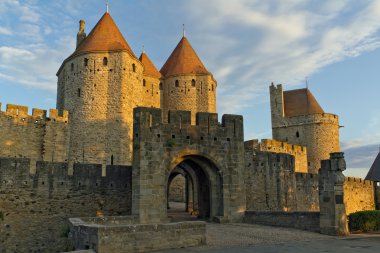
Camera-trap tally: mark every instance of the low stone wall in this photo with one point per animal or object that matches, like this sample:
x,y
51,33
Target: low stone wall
x,y
122,234
300,220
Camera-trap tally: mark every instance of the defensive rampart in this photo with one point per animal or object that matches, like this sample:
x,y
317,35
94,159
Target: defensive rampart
x,y
35,207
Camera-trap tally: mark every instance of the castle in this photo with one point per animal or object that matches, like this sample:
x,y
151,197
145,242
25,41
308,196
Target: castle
x,y
123,131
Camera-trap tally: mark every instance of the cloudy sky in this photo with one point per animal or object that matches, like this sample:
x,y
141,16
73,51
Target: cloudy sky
x,y
246,44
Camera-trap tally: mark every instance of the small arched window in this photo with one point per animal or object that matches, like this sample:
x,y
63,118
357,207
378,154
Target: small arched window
x,y
134,67
193,82
105,61
160,85
72,66
78,93
144,82
176,83
297,134
85,62
212,87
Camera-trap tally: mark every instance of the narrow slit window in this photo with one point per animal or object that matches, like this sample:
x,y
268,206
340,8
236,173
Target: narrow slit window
x,y
85,62
134,67
160,86
176,83
78,93
105,61
144,82
72,67
193,82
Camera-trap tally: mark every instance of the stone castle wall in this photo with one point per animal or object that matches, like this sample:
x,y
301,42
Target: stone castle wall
x,y
359,195
36,207
35,136
195,93
177,189
100,91
318,132
299,152
273,185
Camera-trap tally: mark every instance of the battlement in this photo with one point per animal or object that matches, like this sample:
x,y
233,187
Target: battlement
x,y
358,180
317,118
14,173
279,146
180,121
264,160
22,112
304,176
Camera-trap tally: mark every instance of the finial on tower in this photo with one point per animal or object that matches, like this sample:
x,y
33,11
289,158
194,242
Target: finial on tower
x,y
307,84
183,30
107,7
143,49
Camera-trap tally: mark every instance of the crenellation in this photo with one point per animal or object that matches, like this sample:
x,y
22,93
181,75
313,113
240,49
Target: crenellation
x,y
17,110
181,119
55,115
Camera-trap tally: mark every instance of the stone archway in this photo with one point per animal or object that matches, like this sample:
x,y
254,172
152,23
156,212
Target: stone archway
x,y
204,187
210,153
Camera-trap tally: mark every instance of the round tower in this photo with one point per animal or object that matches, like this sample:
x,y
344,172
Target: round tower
x,y
100,84
151,94
297,118
186,83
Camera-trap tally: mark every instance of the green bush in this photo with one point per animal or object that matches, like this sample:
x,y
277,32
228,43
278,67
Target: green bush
x,y
365,221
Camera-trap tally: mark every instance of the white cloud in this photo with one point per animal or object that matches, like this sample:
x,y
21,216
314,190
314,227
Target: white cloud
x,y
5,31
282,41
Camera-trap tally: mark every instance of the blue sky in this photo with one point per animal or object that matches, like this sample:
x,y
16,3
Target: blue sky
x,y
246,44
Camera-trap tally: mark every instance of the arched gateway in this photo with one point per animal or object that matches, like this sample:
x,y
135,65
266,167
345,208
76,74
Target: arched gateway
x,y
209,154
203,185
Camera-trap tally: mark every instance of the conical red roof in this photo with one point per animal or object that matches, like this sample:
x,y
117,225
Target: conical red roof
x,y
374,171
183,60
105,36
300,102
149,68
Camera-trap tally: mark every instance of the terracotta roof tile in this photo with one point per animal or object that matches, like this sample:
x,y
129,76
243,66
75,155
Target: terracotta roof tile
x,y
183,60
374,171
105,36
149,68
300,102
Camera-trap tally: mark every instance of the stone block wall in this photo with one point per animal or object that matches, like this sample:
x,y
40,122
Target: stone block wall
x,y
177,189
359,195
273,185
35,207
121,234
35,136
299,152
301,220
195,93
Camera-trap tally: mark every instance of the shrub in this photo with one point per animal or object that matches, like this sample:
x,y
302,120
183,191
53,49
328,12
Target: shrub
x,y
365,221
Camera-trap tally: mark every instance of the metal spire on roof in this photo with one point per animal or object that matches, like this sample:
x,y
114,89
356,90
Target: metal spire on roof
x,y
307,84
107,7
183,30
143,49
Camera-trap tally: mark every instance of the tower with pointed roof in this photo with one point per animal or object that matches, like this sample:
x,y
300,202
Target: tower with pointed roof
x,y
297,118
100,84
186,83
